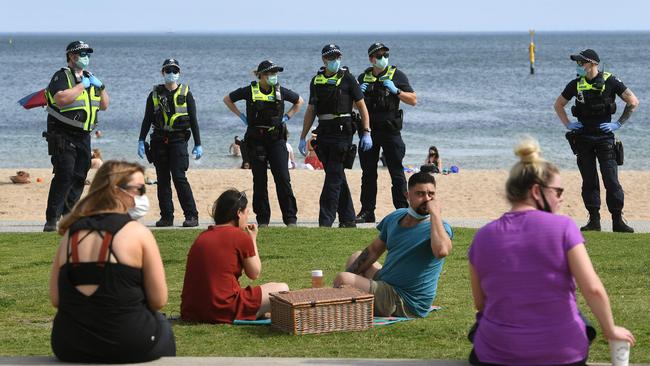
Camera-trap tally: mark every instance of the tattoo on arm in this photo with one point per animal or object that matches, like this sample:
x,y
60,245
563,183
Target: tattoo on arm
x,y
359,262
629,108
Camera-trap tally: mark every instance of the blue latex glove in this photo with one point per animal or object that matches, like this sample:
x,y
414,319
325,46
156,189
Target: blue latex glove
x,y
365,142
96,82
302,147
86,82
285,118
364,86
243,118
390,85
197,151
572,126
141,149
610,126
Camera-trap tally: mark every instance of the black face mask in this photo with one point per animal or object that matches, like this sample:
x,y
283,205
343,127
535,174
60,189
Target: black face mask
x,y
546,207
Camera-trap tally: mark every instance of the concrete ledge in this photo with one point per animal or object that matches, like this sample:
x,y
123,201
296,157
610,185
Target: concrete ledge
x,y
261,361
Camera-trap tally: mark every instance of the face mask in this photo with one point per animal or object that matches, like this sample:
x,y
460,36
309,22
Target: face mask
x,y
581,71
141,207
381,63
172,78
546,207
333,65
272,79
412,212
82,62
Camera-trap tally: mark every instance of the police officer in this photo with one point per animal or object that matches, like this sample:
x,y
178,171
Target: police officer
x,y
266,137
595,94
172,112
383,86
332,92
74,97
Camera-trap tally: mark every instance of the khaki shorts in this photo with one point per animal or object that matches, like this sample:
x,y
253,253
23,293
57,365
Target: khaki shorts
x,y
387,300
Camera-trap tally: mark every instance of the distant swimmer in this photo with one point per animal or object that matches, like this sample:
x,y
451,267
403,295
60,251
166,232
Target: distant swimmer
x,y
384,86
592,135
172,112
74,97
235,147
266,138
98,134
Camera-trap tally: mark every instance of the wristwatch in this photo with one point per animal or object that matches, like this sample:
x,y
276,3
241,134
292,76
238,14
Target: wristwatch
x,y
366,130
398,92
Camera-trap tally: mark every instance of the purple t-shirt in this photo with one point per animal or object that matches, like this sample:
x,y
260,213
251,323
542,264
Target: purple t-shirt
x,y
530,315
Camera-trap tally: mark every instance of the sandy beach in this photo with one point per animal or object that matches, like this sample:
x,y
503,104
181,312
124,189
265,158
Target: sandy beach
x,y
470,194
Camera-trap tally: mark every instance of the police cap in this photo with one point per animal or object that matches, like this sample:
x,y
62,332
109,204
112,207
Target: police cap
x,y
78,46
268,66
376,47
587,55
330,49
171,62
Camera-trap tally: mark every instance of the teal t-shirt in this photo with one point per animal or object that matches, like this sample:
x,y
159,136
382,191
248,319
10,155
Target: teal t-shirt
x,y
410,266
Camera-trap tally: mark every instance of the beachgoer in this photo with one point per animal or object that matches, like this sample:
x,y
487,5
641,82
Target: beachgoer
x,y
332,92
108,280
593,132
235,149
434,159
74,97
96,159
98,134
417,241
312,157
266,137
211,289
384,87
524,268
171,110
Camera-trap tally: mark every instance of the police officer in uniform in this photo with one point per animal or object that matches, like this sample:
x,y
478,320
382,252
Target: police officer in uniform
x,y
266,137
595,94
172,112
383,86
332,92
74,97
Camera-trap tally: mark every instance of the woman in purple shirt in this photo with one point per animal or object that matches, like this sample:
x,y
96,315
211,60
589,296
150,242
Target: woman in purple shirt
x,y
524,268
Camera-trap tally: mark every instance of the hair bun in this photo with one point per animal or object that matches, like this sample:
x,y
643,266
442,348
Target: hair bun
x,y
528,151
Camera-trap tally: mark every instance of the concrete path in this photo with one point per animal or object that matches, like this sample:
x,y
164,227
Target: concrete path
x,y
260,361
37,226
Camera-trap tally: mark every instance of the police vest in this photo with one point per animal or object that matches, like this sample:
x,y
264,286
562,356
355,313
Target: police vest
x,y
330,98
591,101
378,99
87,102
162,108
264,109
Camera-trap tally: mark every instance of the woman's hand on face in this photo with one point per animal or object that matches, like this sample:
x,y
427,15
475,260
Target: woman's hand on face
x,y
251,229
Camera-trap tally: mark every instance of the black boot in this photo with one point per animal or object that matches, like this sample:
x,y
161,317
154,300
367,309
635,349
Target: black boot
x,y
165,222
364,217
619,225
594,222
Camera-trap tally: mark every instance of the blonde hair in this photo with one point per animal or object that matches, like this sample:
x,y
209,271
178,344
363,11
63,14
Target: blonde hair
x,y
531,169
102,195
97,154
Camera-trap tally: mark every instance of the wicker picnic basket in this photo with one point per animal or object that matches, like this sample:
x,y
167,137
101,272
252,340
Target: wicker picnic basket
x,y
321,310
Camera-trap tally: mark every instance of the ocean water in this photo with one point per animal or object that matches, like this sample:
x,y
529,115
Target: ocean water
x,y
475,94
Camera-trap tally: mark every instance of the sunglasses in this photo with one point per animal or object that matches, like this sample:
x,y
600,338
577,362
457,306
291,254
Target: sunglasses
x,y
581,63
171,70
558,191
332,56
84,54
378,56
141,189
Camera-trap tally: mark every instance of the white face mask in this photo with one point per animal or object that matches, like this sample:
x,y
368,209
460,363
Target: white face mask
x,y
141,207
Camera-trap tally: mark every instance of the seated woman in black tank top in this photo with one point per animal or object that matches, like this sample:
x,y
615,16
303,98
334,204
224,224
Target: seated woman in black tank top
x,y
108,280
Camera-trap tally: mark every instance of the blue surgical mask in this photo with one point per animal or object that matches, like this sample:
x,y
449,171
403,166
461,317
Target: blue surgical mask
x,y
334,65
381,63
82,62
172,78
413,213
272,79
580,71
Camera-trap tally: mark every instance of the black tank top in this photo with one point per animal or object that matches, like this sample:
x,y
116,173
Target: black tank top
x,y
113,324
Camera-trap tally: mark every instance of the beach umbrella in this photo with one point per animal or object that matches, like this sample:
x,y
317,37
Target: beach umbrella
x,y
35,99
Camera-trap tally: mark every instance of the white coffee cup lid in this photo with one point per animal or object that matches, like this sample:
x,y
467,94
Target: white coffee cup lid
x,y
317,273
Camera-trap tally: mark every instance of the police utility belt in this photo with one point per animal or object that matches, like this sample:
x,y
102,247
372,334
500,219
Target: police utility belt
x,y
336,124
265,132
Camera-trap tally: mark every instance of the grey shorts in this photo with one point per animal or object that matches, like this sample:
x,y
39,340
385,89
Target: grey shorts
x,y
387,301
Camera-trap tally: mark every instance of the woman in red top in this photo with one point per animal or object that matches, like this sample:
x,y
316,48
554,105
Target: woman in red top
x,y
211,290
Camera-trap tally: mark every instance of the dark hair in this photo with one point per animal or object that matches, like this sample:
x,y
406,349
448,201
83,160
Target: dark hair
x,y
226,207
435,149
420,178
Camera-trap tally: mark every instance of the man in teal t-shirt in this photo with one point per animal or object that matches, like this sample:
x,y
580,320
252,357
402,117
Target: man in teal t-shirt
x,y
417,241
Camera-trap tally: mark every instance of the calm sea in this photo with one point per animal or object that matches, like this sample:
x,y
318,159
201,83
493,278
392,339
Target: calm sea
x,y
475,93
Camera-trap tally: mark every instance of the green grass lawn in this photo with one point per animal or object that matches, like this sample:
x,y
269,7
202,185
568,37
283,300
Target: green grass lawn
x,y
288,255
